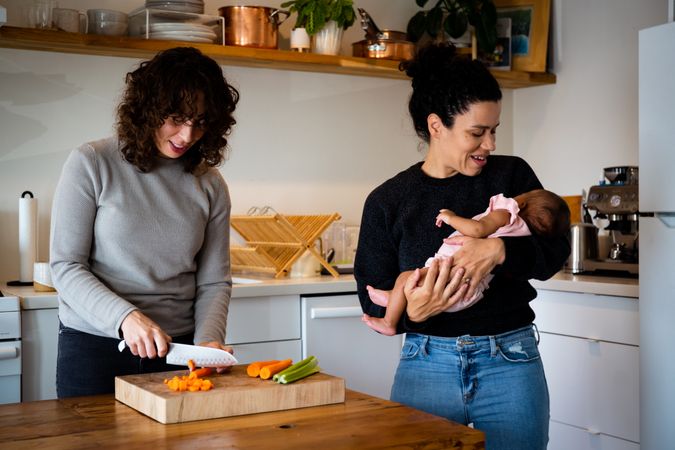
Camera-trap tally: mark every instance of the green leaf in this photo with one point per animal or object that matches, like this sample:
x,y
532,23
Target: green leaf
x,y
434,21
486,27
416,26
456,23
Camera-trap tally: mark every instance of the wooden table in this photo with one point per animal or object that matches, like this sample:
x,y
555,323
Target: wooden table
x,y
362,422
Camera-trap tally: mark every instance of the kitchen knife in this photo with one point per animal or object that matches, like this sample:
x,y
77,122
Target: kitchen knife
x,y
179,354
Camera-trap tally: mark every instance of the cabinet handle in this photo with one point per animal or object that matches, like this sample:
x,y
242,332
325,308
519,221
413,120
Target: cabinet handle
x,y
593,340
332,313
593,431
9,353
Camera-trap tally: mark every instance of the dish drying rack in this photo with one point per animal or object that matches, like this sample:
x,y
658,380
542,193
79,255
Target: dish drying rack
x,y
275,241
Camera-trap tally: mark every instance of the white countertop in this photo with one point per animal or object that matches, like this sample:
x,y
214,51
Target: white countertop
x,y
590,284
32,299
622,287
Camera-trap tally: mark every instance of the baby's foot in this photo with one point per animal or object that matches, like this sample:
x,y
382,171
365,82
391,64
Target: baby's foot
x,y
378,296
379,325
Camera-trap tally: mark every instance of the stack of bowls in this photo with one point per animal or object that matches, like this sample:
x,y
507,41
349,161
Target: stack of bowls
x,y
107,22
188,6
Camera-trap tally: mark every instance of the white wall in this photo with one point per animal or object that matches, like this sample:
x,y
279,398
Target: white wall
x,y
587,121
304,142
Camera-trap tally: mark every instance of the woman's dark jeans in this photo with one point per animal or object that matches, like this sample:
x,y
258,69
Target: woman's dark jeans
x,y
87,364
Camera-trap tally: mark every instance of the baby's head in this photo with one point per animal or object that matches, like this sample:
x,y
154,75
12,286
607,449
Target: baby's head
x,y
545,213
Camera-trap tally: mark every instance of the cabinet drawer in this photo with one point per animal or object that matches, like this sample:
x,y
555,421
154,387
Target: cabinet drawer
x,y
566,437
247,353
593,384
261,319
603,317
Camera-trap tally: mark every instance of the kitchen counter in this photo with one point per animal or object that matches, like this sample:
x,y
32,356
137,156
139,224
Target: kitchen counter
x,y
361,422
590,284
251,287
259,287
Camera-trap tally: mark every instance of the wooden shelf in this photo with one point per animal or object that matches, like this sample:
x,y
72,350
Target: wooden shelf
x,y
89,44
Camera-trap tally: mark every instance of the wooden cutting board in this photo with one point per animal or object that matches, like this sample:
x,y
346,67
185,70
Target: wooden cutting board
x,y
234,394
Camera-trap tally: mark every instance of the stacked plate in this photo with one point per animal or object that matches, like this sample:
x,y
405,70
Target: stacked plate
x,y
191,32
188,6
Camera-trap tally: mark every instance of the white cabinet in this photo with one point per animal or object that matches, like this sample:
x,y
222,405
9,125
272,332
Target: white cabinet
x,y
346,347
262,328
40,330
589,347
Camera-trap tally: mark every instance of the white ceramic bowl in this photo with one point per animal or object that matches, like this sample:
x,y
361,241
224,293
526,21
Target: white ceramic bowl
x,y
108,28
106,15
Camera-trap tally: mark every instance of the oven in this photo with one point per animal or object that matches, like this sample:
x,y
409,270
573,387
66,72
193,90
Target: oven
x,y
10,350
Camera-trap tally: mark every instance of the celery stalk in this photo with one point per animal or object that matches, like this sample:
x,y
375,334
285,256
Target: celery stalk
x,y
310,360
299,374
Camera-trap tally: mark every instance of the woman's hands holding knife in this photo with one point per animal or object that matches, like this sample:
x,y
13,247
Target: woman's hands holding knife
x,y
143,336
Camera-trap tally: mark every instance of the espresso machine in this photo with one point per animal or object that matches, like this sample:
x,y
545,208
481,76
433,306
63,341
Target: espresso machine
x,y
615,199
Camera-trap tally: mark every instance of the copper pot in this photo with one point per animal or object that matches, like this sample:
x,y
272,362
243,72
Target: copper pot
x,y
384,49
252,26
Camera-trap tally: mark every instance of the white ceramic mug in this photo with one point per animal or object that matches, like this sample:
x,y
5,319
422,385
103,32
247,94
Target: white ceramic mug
x,y
42,277
306,266
70,20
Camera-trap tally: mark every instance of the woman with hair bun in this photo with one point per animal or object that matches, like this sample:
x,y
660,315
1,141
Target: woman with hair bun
x,y
478,365
140,227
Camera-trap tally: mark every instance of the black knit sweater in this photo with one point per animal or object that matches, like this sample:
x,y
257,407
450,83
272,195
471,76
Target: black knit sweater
x,y
398,233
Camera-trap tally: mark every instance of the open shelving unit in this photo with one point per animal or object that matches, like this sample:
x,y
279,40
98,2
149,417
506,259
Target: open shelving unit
x,y
89,44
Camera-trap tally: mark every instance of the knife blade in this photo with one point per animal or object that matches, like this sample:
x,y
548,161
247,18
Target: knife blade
x,y
179,354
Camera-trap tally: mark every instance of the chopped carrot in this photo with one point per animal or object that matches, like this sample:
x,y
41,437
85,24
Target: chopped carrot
x,y
203,372
191,382
253,369
267,371
191,365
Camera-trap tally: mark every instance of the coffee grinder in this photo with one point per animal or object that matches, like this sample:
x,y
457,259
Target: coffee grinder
x,y
616,200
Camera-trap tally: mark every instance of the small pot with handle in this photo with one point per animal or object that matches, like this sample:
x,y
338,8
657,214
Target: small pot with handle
x,y
252,26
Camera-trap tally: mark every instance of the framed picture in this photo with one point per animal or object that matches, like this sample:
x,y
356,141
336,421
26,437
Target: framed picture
x,y
529,32
500,58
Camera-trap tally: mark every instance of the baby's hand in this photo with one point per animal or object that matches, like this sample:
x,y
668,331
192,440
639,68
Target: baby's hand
x,y
444,217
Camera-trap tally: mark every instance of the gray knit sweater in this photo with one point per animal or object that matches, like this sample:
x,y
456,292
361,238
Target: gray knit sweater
x,y
123,240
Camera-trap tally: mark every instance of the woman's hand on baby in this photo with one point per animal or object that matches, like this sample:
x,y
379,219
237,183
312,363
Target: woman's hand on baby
x,y
477,257
438,292
143,336
444,217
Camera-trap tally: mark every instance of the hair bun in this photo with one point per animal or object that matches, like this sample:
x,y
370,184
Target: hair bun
x,y
431,62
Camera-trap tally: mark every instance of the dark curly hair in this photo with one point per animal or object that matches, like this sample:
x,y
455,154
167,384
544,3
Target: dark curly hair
x,y
169,85
446,84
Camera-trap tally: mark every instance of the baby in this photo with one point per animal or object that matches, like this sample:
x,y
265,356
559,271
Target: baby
x,y
539,211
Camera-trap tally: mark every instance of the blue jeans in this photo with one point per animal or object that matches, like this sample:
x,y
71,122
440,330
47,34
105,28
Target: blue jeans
x,y
87,364
495,382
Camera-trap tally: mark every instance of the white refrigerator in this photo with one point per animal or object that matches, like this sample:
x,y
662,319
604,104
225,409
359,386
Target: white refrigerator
x,y
657,236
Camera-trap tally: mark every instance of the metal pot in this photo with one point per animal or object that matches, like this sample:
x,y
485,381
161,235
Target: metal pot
x,y
384,49
382,44
252,26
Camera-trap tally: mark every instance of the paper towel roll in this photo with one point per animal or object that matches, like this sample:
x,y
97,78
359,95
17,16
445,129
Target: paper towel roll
x,y
27,236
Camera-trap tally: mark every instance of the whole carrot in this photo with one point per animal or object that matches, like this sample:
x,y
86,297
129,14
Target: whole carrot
x,y
267,371
253,369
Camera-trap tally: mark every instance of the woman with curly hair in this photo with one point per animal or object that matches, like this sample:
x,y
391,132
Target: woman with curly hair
x,y
140,227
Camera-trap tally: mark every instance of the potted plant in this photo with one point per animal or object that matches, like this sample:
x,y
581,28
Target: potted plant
x,y
324,21
453,17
